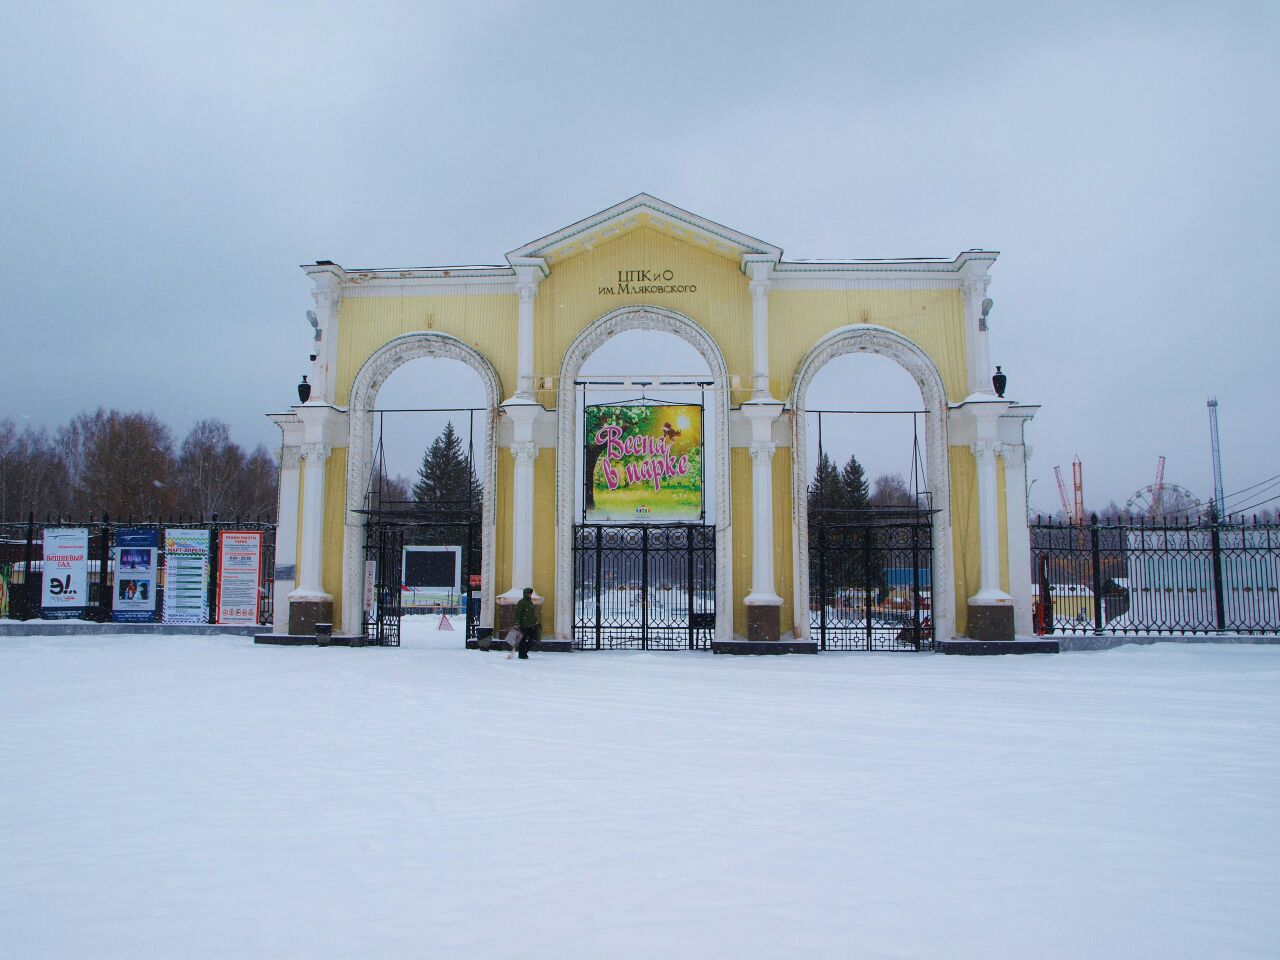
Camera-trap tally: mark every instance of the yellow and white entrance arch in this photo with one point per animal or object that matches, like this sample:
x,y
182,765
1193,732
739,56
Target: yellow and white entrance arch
x,y
764,325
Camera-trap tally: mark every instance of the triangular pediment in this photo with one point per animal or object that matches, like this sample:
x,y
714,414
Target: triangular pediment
x,y
643,212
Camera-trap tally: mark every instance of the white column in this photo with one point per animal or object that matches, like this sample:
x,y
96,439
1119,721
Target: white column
x,y
524,352
524,453
762,586
311,556
974,291
762,417
529,273
759,288
1015,498
984,452
285,575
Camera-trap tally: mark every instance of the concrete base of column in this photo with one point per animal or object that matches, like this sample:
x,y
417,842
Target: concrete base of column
x,y
305,614
764,623
504,618
990,622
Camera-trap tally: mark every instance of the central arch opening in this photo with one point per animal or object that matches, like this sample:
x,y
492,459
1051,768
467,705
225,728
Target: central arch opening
x,y
644,541
642,483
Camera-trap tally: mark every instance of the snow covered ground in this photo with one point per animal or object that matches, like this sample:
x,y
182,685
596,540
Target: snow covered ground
x,y
204,797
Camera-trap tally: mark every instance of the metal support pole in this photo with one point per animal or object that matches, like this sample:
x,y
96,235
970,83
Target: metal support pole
x,y
214,546
599,541
644,588
27,579
867,534
1096,554
915,582
1219,604
104,564
688,533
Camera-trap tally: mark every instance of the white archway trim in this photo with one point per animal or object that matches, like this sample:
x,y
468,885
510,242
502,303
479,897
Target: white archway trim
x,y
586,343
869,338
364,392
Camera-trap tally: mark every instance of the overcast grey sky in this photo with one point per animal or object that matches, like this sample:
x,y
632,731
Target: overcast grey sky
x,y
165,168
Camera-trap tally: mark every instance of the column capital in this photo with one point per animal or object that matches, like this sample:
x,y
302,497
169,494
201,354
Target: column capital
x,y
975,286
524,451
314,451
759,289
290,458
762,451
527,290
984,451
1014,455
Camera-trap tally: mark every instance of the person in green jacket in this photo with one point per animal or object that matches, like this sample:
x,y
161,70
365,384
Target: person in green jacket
x,y
527,621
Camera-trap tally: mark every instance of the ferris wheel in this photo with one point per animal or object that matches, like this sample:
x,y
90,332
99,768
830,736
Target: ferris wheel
x,y
1162,499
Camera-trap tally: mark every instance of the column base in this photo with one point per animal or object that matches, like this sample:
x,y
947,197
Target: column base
x,y
763,623
990,622
305,614
504,617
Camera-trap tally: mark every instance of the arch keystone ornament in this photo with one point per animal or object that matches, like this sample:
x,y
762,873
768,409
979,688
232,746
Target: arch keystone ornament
x,y
764,326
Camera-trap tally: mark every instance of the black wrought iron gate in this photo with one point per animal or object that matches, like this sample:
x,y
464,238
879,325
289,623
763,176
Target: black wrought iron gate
x,y
387,533
644,586
870,579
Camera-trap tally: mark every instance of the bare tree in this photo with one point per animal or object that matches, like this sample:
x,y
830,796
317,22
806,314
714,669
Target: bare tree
x,y
118,463
254,492
209,470
33,477
891,490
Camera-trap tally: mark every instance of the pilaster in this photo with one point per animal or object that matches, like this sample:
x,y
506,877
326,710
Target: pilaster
x,y
1019,535
973,288
286,547
327,294
759,271
763,603
529,273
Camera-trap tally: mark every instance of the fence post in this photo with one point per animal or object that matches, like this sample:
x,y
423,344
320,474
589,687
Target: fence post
x,y
644,587
213,568
28,579
1219,604
104,563
1096,553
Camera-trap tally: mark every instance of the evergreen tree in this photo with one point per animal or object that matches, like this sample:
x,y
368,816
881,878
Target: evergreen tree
x,y
826,492
853,483
448,494
446,480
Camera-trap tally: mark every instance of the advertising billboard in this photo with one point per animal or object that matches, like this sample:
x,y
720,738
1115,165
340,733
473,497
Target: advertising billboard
x,y
643,463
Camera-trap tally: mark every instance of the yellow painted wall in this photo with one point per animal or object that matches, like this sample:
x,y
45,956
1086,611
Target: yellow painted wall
x,y
932,319
544,533
569,299
502,537
783,581
486,322
335,499
740,495
964,531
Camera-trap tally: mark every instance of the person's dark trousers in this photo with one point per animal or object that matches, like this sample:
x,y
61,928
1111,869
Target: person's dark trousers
x,y
526,637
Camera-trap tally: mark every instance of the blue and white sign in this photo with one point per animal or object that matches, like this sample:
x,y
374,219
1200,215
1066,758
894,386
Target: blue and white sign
x,y
133,598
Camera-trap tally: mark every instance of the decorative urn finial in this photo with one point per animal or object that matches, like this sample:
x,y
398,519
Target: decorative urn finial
x,y
304,390
998,381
